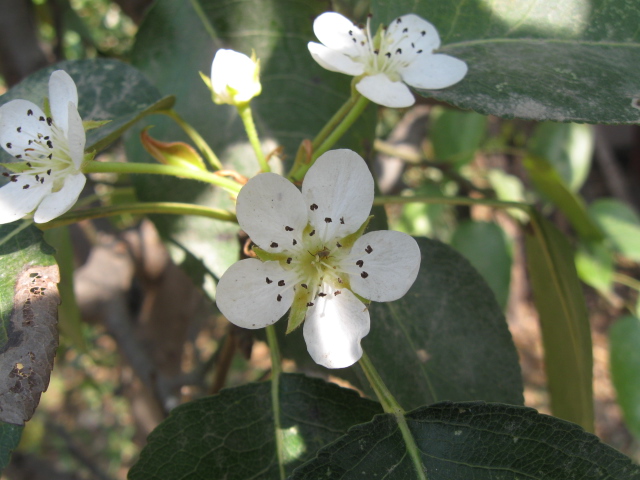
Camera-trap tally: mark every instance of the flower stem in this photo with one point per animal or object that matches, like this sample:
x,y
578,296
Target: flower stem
x,y
329,135
276,370
200,142
244,110
159,169
390,405
168,208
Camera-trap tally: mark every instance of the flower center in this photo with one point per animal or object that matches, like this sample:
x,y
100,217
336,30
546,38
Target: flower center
x,y
45,156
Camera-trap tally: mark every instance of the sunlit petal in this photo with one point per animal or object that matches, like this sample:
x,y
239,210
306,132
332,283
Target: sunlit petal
x,y
20,122
434,71
332,29
16,202
55,204
334,60
382,90
62,91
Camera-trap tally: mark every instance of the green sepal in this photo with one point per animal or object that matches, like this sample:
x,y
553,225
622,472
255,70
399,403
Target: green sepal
x,y
268,256
91,124
349,240
207,82
299,308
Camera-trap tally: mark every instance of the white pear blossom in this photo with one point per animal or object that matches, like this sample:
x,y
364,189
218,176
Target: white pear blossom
x,y
49,150
235,78
398,55
314,258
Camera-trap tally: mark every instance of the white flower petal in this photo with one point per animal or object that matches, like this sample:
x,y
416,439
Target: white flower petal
x,y
408,29
334,327
434,71
55,204
236,70
248,292
334,61
332,29
382,90
16,202
387,264
62,90
338,191
272,212
76,137
17,126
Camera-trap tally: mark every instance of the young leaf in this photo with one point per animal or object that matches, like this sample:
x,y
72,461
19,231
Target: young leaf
x,y
620,223
474,440
566,333
542,60
624,338
232,435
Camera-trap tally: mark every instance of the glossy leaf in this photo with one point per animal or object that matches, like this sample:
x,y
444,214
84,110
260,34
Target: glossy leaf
x,y
107,90
9,439
549,183
543,60
624,339
175,42
463,441
484,245
455,135
232,435
620,223
566,333
568,147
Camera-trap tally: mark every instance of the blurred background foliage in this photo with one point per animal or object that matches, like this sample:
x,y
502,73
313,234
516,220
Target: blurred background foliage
x,y
94,419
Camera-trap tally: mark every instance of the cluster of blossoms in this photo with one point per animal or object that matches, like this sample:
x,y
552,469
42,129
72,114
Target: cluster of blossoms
x,y
49,150
315,258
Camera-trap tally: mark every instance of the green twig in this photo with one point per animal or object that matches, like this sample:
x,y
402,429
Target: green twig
x,y
160,169
276,370
196,138
244,111
390,405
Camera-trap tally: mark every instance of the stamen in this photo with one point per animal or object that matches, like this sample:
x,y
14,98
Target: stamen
x,y
41,118
304,285
281,283
279,297
341,220
289,260
364,274
24,187
29,112
337,292
368,249
309,304
322,294
8,145
49,121
295,242
360,263
327,220
312,233
19,129
313,206
338,244
288,229
273,245
269,280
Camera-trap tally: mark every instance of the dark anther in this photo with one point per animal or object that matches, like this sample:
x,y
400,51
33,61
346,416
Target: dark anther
x,y
322,294
279,297
398,20
47,137
269,280
398,51
49,172
376,52
368,249
309,304
405,30
364,274
327,220
362,43
351,32
360,263
49,121
41,118
338,244
29,142
14,178
8,145
50,156
304,285
42,180
413,45
295,242
341,220
28,164
273,245
419,51
288,229
354,40
339,280
18,156
24,187
281,283
5,174
423,33
313,207
337,292
312,233
37,178
49,144
19,129
289,260
388,54
29,112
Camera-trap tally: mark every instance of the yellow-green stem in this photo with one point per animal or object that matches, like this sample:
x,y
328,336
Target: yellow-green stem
x,y
197,139
146,208
626,280
390,405
276,370
244,111
160,169
335,120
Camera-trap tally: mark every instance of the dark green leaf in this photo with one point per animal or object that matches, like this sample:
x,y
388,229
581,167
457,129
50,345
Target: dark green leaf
x,y
455,135
566,333
620,223
568,147
9,438
471,441
107,90
484,245
175,42
624,340
549,183
544,60
232,435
